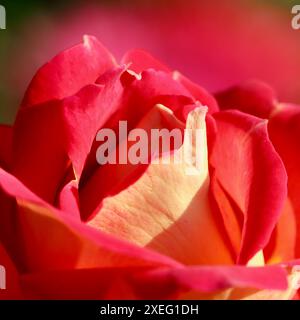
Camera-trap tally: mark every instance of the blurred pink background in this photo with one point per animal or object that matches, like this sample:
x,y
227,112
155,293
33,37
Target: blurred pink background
x,y
217,44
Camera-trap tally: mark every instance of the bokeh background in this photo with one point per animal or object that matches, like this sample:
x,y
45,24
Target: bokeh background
x,y
215,43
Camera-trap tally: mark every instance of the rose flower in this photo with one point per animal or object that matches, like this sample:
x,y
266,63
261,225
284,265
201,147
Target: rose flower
x,y
74,229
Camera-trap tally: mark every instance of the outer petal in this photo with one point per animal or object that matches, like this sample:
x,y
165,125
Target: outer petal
x,y
92,261
259,99
252,175
53,136
288,294
60,242
210,279
254,97
284,130
53,132
98,283
68,72
43,138
153,283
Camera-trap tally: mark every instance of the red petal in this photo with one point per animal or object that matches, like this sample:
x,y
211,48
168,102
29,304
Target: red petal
x,y
214,278
284,129
68,199
5,145
252,174
51,239
139,60
101,283
108,268
48,136
137,98
199,93
69,71
157,283
252,97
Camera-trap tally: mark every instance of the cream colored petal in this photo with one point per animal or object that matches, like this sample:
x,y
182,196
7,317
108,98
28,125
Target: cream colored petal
x,y
167,208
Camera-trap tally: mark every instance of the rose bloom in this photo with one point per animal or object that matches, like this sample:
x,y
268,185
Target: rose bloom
x,y
72,229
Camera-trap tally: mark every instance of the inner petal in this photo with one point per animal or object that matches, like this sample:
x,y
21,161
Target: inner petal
x,y
167,208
